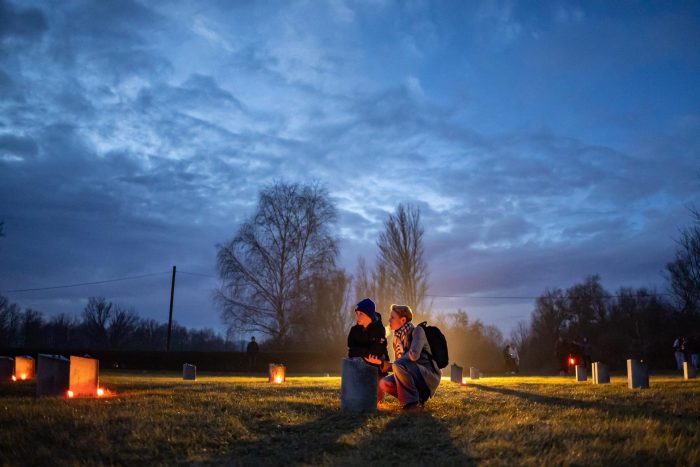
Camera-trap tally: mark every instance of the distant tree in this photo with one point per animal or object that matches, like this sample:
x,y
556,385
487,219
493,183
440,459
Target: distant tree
x,y
62,332
273,259
10,323
374,283
401,255
326,324
684,271
32,327
586,307
122,327
96,318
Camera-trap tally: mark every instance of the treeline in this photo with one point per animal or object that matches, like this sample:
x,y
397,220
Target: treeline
x,y
101,325
629,323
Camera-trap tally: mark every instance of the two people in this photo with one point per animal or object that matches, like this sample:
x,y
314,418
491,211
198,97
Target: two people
x,y
415,375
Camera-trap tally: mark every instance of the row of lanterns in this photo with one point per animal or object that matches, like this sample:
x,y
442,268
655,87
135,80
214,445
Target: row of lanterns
x,y
56,375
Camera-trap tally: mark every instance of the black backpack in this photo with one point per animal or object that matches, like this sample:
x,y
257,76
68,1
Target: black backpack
x,y
438,344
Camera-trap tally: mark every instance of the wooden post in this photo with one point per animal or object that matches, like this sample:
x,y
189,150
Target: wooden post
x,y
170,318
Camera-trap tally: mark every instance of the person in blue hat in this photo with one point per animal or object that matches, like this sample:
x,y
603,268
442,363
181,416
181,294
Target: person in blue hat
x,y
368,337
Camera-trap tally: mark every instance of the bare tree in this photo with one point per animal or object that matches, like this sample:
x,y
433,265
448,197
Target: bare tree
x,y
269,265
122,327
375,285
684,271
327,322
401,255
96,317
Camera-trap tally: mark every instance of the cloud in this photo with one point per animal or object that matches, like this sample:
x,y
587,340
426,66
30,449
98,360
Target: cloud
x,y
23,23
132,139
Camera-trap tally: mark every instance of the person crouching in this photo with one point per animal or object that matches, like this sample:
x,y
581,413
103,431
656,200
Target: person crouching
x,y
415,376
368,337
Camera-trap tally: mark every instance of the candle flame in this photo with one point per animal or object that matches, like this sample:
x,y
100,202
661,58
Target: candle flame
x,y
70,394
100,392
23,376
14,378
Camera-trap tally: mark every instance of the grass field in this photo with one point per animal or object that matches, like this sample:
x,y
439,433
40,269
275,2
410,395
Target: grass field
x,y
237,420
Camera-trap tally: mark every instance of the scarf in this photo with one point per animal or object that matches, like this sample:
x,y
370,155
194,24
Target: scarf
x,y
400,341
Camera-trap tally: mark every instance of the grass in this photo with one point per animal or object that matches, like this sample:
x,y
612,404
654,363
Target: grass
x,y
238,420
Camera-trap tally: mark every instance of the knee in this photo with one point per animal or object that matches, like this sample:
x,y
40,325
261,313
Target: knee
x,y
399,367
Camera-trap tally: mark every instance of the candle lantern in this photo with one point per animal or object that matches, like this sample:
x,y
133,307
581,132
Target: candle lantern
x,y
84,377
24,368
277,373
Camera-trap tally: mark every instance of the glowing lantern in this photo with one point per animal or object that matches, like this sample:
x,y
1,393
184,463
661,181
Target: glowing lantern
x,y
277,373
7,366
24,368
84,376
53,375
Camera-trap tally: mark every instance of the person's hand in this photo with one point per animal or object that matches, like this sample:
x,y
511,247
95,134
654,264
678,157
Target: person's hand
x,y
373,359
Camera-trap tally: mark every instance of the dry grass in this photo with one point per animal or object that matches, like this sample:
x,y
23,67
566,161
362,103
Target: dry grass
x,y
236,420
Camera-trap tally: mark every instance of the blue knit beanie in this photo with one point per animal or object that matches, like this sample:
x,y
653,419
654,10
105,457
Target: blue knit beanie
x,y
366,306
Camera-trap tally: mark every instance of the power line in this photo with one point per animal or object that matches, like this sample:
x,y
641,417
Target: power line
x,y
196,274
53,287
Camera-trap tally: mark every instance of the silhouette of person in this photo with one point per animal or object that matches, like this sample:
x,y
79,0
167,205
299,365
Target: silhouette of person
x,y
252,351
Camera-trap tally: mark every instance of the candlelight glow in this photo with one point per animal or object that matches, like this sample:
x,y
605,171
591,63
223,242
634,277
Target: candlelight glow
x,y
70,394
14,378
277,372
572,361
100,392
464,380
23,376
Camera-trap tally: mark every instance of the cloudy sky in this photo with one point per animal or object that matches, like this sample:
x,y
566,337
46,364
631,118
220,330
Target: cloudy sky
x,y
543,141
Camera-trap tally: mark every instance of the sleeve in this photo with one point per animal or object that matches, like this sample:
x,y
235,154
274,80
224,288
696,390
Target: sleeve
x,y
418,342
378,345
355,348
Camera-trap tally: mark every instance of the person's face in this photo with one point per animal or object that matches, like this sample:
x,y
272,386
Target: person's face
x,y
396,321
362,319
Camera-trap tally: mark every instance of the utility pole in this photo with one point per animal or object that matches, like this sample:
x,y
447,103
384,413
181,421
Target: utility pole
x,y
170,319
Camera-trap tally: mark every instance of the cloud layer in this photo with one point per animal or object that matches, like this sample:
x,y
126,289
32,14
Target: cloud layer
x,y
542,143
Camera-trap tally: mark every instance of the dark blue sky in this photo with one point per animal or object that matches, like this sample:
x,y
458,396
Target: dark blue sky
x,y
543,141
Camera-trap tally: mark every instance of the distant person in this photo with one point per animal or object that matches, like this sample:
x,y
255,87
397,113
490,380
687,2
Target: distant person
x,y
416,375
693,350
368,337
514,357
507,358
252,352
678,352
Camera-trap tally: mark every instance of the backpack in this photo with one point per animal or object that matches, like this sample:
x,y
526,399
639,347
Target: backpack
x,y
438,344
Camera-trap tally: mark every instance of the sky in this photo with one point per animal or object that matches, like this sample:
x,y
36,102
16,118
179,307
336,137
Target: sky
x,y
543,141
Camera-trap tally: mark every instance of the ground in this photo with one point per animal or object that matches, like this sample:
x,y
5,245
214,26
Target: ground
x,y
160,419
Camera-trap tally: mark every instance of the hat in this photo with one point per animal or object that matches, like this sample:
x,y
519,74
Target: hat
x,y
366,306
